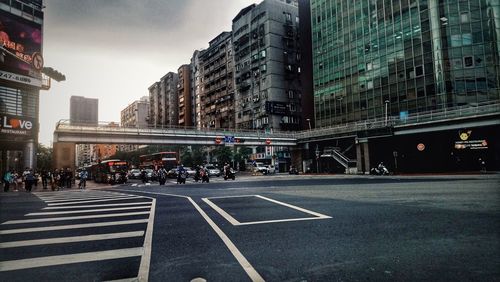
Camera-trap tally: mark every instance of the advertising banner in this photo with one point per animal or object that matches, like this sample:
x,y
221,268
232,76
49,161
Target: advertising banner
x,y
22,45
11,126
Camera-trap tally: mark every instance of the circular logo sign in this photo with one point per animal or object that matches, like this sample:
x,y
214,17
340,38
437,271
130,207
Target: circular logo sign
x,y
421,147
268,141
37,61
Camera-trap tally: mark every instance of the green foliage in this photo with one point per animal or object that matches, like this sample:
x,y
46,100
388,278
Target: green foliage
x,y
44,157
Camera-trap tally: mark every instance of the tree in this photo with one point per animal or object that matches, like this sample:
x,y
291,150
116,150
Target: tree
x,y
223,154
241,155
44,157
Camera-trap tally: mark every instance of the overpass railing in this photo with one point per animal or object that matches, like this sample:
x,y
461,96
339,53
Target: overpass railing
x,y
481,109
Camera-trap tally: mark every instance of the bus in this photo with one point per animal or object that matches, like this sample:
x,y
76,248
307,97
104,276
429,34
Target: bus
x,y
168,160
106,171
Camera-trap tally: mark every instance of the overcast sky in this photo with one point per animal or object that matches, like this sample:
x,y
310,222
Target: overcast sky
x,y
114,50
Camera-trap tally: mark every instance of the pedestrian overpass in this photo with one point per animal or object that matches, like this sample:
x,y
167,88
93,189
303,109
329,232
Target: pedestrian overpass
x,y
67,135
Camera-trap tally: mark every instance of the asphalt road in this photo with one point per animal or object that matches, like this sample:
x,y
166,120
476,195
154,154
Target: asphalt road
x,y
272,228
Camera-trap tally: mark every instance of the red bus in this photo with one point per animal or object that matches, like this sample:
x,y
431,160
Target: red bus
x,y
105,171
168,160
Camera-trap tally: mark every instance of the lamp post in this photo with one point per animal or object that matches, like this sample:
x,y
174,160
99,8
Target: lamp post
x,y
386,103
317,158
309,122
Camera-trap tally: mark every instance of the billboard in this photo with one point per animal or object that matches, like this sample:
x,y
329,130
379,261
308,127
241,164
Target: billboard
x,y
22,46
16,126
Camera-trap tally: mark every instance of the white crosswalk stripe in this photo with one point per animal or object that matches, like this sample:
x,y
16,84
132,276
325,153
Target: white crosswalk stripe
x,y
99,209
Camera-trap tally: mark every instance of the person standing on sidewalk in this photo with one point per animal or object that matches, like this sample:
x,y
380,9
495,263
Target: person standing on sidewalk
x,y
29,179
7,179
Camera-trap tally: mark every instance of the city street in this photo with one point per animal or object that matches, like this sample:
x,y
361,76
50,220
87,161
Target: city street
x,y
273,228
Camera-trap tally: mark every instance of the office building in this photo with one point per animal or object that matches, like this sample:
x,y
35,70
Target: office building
x,y
267,54
134,115
83,110
196,79
20,83
217,90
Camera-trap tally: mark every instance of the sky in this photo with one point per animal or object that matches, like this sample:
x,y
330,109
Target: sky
x,y
114,50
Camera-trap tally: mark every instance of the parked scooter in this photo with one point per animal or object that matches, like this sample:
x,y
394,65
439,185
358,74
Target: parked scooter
x,y
379,170
293,170
204,176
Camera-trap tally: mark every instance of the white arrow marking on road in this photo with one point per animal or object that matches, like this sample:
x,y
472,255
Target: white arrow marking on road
x,y
72,239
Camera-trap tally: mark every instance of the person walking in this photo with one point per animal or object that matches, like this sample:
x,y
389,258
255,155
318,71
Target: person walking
x,y
7,179
29,179
83,179
45,176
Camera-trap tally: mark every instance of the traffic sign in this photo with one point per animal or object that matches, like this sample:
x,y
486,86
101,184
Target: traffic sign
x,y
228,139
268,141
218,140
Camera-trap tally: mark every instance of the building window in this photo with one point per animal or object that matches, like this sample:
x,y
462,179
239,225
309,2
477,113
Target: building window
x,y
468,62
419,71
464,17
263,53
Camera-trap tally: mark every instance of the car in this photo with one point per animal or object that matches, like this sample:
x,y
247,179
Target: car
x,y
190,171
172,173
260,168
212,170
149,173
271,169
134,174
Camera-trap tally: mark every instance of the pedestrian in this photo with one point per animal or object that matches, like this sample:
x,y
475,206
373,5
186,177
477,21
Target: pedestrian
x,y
83,179
45,177
7,179
29,179
482,165
69,178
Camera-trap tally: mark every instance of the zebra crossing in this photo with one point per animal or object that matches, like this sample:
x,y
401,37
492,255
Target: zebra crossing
x,y
76,230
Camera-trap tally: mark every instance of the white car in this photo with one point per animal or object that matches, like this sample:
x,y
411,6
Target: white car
x,y
190,171
212,170
261,168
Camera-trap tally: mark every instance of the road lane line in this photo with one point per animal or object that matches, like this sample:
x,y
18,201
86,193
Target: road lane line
x,y
247,267
97,206
281,220
95,201
86,211
251,272
294,207
143,274
68,259
72,217
227,216
72,239
72,226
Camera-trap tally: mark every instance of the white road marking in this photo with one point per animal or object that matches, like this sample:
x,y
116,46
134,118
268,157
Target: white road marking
x,y
143,274
82,198
72,239
86,211
68,259
235,222
95,201
245,264
251,272
72,226
227,216
72,218
97,206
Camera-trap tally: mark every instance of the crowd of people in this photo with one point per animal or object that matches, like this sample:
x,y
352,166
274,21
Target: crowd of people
x,y
55,180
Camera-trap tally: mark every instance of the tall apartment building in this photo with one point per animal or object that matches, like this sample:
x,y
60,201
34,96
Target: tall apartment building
x,y
196,79
406,56
217,91
163,99
134,115
83,111
184,95
266,57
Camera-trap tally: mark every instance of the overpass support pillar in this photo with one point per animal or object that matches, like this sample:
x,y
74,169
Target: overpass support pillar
x,y
363,156
64,155
297,156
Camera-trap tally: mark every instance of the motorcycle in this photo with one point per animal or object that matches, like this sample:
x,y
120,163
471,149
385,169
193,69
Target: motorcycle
x,y
204,177
380,170
230,174
293,170
181,177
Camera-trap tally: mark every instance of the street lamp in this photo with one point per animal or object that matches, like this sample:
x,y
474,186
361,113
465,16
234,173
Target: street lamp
x,y
309,122
386,102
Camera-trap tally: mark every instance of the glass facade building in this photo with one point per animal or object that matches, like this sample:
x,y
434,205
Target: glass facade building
x,y
404,55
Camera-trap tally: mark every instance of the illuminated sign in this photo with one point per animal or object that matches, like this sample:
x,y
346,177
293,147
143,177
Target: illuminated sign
x,y
13,125
466,143
22,44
